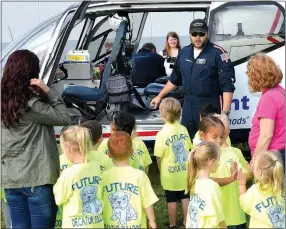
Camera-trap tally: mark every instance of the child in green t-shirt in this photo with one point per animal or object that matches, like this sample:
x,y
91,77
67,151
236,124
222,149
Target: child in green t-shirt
x,y
123,121
172,148
127,192
207,110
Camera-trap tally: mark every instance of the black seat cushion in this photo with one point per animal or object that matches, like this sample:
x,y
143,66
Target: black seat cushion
x,y
153,89
83,93
162,80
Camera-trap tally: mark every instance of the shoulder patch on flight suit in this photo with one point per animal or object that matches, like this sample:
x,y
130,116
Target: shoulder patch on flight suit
x,y
220,48
224,56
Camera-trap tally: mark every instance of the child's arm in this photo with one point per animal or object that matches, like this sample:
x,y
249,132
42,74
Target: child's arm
x,y
61,189
223,181
222,224
227,180
151,217
241,179
159,160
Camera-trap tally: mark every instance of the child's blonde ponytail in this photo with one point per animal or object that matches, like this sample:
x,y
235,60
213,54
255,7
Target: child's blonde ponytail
x,y
272,172
192,173
198,159
278,179
77,138
83,140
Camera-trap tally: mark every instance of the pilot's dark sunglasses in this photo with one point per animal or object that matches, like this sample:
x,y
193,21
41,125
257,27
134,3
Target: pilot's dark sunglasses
x,y
200,34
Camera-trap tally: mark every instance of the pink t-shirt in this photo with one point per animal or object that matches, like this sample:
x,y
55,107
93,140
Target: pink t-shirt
x,y
271,106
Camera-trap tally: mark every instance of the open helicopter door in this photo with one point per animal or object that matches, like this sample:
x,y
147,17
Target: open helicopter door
x,y
244,28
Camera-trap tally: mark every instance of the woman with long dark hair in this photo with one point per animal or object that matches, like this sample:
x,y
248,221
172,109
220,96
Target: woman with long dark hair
x,y
30,159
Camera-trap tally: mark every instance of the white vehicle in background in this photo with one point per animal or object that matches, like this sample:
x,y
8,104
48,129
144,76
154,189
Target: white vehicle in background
x,y
81,42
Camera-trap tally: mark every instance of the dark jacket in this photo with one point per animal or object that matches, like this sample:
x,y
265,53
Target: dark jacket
x,y
148,67
211,74
29,152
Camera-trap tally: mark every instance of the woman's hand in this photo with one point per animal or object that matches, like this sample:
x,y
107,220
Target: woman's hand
x,y
39,83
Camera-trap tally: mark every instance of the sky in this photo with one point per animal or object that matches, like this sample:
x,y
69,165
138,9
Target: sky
x,y
19,17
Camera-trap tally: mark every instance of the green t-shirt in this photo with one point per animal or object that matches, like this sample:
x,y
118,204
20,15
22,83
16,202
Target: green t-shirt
x,y
78,191
127,192
233,212
172,146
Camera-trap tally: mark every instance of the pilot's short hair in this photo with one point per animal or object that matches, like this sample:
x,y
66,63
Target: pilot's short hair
x,y
149,46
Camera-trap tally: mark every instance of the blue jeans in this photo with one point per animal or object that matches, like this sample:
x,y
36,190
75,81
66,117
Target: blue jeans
x,y
32,207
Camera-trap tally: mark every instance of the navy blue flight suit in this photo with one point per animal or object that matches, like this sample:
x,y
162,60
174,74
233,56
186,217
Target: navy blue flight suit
x,y
204,79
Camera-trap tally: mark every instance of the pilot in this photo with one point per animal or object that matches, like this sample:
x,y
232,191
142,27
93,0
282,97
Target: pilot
x,y
148,65
206,74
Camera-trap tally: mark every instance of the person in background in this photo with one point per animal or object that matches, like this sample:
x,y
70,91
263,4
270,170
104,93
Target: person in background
x,y
268,123
172,46
264,201
171,51
127,192
172,148
30,159
148,64
123,121
207,110
205,207
78,188
206,73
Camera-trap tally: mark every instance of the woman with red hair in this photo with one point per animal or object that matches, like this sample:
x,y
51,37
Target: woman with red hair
x,y
30,159
268,123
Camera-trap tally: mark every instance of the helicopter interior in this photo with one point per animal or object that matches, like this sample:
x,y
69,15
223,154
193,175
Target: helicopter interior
x,y
89,73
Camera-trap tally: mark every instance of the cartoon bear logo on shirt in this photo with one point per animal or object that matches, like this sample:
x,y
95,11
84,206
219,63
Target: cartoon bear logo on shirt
x,y
90,203
276,216
121,208
193,214
181,154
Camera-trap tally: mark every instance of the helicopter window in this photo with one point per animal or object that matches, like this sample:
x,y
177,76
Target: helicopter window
x,y
102,41
248,28
73,38
159,24
37,40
